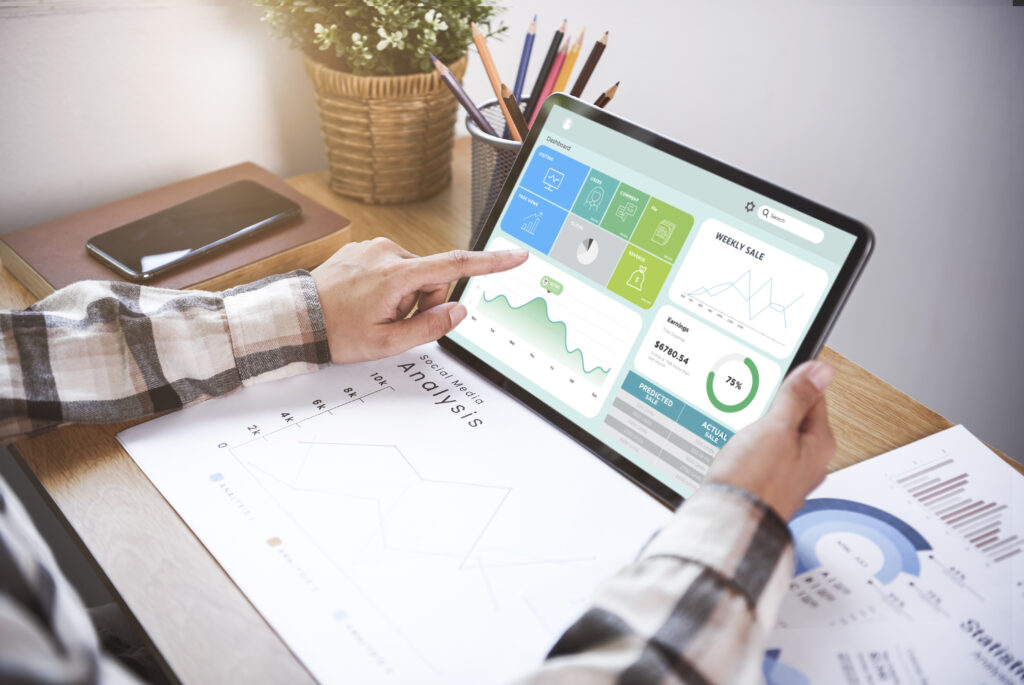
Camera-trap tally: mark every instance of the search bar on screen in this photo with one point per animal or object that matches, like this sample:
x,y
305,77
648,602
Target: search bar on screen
x,y
791,224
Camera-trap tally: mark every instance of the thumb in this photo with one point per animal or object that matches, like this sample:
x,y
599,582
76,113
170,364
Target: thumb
x,y
424,326
801,391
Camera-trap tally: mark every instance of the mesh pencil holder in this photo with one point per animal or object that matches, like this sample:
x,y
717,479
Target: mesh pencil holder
x,y
492,160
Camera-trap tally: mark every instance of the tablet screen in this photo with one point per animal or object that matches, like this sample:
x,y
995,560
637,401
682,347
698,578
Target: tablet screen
x,y
662,303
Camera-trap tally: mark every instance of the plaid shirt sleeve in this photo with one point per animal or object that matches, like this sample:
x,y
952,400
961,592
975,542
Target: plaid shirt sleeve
x,y
695,608
46,636
97,352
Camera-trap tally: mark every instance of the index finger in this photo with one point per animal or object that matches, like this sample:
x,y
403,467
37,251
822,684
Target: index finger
x,y
451,266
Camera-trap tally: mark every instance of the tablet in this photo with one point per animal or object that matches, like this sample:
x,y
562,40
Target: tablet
x,y
666,296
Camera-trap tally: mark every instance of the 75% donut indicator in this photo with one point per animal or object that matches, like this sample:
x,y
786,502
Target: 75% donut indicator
x,y
732,383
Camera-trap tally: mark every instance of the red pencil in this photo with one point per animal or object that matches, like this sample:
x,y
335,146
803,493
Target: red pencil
x,y
549,85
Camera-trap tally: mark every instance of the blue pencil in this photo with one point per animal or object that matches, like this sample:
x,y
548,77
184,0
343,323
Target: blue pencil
x,y
524,61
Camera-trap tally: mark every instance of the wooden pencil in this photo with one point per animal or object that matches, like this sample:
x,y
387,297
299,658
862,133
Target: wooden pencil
x,y
549,86
570,62
588,66
492,74
545,68
524,59
513,107
463,97
606,96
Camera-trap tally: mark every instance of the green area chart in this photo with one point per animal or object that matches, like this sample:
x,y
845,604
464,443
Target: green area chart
x,y
533,324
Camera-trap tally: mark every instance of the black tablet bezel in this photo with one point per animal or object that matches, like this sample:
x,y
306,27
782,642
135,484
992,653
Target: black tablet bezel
x,y
809,348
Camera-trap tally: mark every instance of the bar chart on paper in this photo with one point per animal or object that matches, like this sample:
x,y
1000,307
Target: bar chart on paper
x,y
909,564
564,335
981,523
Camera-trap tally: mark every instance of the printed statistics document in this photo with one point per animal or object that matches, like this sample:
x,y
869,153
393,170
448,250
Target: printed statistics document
x,y
399,520
910,570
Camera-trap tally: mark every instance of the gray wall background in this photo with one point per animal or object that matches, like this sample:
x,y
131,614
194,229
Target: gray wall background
x,y
907,116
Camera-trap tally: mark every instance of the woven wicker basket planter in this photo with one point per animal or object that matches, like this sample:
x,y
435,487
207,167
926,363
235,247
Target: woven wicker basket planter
x,y
388,138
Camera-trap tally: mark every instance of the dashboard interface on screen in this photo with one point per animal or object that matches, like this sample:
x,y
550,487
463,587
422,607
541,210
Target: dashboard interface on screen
x,y
661,304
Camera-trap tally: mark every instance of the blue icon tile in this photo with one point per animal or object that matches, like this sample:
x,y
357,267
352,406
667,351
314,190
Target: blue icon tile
x,y
533,220
554,177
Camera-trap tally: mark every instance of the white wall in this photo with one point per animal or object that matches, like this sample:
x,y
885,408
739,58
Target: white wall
x,y
908,117
100,99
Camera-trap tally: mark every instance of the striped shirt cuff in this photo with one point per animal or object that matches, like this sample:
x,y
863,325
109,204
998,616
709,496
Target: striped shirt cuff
x,y
277,327
733,533
696,606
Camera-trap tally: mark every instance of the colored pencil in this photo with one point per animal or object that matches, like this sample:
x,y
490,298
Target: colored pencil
x,y
524,60
542,75
463,98
606,96
570,62
588,66
549,87
492,74
513,107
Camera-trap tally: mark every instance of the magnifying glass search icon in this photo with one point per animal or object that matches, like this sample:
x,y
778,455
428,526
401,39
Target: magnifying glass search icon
x,y
791,224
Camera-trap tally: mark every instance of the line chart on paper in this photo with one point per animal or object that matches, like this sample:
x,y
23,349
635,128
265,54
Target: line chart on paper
x,y
381,516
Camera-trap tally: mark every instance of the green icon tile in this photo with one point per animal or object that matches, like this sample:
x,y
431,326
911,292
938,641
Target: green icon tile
x,y
624,211
662,230
595,196
638,276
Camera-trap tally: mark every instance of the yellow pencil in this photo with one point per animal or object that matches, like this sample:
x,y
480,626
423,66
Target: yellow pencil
x,y
570,62
492,74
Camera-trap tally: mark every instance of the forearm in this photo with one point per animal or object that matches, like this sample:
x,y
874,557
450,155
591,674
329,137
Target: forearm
x,y
695,608
99,352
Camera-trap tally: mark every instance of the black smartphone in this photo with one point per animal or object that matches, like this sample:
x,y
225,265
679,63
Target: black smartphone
x,y
169,238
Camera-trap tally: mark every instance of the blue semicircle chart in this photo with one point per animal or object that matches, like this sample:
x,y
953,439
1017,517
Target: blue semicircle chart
x,y
899,542
776,672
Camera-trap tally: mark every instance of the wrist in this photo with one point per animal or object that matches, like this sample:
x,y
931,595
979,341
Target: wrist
x,y
778,496
729,530
760,503
276,327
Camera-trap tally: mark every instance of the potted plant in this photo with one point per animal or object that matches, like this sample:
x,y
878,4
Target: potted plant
x,y
386,117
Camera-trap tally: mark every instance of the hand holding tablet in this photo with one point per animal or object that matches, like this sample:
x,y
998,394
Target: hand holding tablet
x,y
678,308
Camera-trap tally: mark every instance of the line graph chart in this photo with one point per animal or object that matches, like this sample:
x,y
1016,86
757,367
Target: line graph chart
x,y
432,530
568,337
759,300
409,514
758,292
535,324
379,532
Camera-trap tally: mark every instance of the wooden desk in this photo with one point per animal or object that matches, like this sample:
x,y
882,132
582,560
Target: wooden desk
x,y
197,619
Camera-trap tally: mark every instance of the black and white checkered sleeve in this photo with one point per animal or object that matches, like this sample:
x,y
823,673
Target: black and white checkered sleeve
x,y
98,352
695,608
